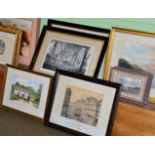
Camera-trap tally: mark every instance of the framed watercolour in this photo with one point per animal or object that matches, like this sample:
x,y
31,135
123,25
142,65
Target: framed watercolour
x,y
135,84
83,29
87,106
69,51
26,91
10,43
133,50
30,29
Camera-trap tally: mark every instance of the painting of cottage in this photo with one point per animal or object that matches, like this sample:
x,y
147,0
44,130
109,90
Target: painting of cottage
x,y
82,105
26,92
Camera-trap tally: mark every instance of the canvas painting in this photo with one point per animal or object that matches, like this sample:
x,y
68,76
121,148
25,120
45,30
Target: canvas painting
x,y
25,91
67,56
26,27
82,105
142,58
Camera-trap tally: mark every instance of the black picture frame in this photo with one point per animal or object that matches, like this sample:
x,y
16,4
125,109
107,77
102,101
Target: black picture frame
x,y
47,28
78,27
87,79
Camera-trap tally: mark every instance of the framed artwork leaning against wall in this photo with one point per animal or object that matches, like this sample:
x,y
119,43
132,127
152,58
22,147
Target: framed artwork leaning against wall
x,y
70,51
83,29
87,106
10,44
133,50
26,91
135,84
30,29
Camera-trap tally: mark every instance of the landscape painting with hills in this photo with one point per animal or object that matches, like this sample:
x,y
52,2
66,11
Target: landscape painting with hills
x,y
138,57
82,105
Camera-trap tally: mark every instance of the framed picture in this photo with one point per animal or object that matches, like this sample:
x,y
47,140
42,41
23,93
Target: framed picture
x,y
87,106
133,50
69,51
135,84
26,92
79,28
83,29
30,28
10,43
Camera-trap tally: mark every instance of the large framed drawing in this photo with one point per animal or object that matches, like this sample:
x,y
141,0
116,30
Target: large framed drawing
x,y
30,28
70,51
133,50
25,91
10,43
87,106
83,29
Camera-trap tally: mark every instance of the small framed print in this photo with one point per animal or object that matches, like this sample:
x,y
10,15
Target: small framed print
x,y
26,92
83,29
135,84
10,43
87,106
69,51
30,29
134,50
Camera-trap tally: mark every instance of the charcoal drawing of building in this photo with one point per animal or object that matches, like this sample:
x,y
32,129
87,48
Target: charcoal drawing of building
x,y
83,110
66,56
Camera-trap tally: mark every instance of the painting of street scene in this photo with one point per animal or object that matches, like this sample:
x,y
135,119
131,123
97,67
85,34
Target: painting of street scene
x,y
138,57
82,105
25,91
66,56
130,85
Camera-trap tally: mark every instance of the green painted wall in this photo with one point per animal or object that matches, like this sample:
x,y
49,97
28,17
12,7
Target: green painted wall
x,y
143,24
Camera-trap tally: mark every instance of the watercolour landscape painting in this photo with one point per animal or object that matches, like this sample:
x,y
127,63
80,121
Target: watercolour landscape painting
x,y
25,91
138,57
82,105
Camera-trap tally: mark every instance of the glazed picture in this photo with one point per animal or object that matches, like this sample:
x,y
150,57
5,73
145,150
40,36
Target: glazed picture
x,y
82,105
25,91
66,56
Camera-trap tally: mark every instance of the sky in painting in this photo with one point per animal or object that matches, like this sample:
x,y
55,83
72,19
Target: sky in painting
x,y
138,54
25,82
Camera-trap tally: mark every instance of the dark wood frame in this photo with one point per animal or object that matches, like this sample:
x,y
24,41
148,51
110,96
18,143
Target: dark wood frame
x,y
18,111
79,26
87,79
46,28
147,86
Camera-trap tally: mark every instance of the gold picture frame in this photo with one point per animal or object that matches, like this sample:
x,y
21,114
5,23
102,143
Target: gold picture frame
x,y
131,36
17,45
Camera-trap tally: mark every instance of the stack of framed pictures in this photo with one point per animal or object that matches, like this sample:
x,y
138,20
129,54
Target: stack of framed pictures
x,y
30,32
101,32
70,48
135,51
61,85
